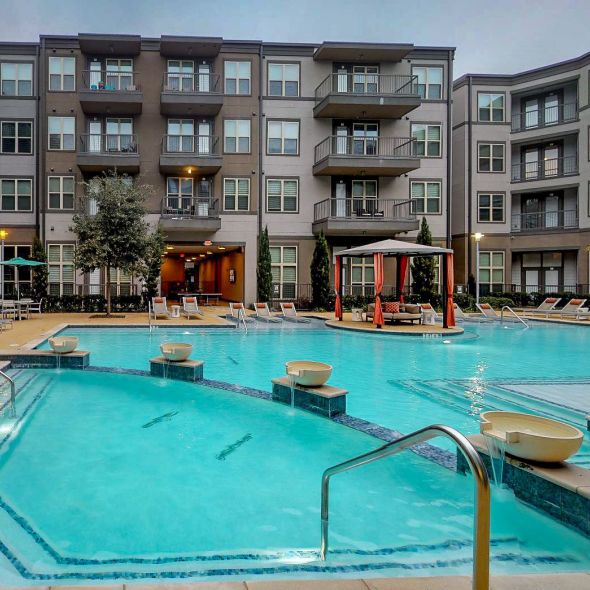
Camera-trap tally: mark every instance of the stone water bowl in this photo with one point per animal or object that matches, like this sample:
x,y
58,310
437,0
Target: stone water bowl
x,y
63,344
532,437
308,373
176,351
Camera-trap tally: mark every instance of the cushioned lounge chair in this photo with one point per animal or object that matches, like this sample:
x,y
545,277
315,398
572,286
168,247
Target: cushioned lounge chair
x,y
488,311
290,314
190,307
571,309
263,313
159,307
547,305
236,311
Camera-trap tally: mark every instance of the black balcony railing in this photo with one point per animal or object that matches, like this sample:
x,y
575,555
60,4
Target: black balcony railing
x,y
367,85
108,143
363,209
545,117
545,221
366,146
187,83
543,169
191,145
110,81
189,207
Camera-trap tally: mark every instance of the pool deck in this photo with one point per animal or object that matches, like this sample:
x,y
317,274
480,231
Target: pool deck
x,y
404,329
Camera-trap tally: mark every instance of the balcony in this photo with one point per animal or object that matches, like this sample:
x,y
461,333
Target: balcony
x,y
545,221
200,153
548,116
366,96
191,94
370,156
545,169
108,92
183,216
359,217
99,152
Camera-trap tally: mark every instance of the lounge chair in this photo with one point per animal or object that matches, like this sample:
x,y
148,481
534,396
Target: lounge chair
x,y
290,314
571,308
459,313
546,306
263,313
488,311
428,309
159,307
235,307
190,307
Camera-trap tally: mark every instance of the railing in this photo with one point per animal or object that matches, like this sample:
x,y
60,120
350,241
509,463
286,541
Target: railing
x,y
194,145
188,83
108,143
109,81
10,380
545,221
117,289
481,518
360,147
189,207
363,209
545,117
542,169
367,85
508,309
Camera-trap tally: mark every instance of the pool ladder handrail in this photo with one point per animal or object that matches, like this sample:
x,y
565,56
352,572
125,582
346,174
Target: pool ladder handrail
x,y
12,392
521,320
481,517
242,317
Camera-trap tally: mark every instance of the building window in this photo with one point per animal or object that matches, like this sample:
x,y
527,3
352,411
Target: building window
x,y
426,196
284,271
490,157
282,195
490,107
430,81
180,136
283,79
362,276
62,73
120,282
491,271
17,137
237,77
16,79
119,74
427,140
61,192
364,197
179,193
236,194
490,207
60,259
16,194
61,133
236,136
282,138
24,272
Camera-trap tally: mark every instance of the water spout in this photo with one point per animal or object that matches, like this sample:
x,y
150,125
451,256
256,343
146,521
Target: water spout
x,y
497,452
292,377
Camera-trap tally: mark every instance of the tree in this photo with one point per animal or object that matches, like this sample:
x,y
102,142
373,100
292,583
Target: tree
x,y
40,273
151,264
264,269
320,274
115,237
423,266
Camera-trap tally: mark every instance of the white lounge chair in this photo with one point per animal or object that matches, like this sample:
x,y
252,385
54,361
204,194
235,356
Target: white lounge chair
x,y
488,311
459,313
571,308
546,306
190,307
235,309
263,313
159,307
427,307
290,314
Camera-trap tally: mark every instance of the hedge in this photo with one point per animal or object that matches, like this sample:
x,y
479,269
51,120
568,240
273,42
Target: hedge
x,y
93,303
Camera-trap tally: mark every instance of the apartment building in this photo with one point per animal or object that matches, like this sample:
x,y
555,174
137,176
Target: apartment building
x,y
350,139
521,177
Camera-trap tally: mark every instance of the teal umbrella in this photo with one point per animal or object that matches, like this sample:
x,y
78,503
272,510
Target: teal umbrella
x,y
16,262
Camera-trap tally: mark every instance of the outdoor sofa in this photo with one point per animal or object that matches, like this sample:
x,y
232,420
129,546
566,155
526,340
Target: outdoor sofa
x,y
408,312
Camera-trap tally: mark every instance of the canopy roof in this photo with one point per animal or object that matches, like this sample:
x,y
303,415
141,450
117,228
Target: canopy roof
x,y
394,248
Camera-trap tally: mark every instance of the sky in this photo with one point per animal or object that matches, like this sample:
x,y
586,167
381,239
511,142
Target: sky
x,y
493,36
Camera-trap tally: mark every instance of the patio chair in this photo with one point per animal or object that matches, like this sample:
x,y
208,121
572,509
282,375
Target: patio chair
x,y
263,313
428,309
459,313
571,308
8,310
190,307
35,306
488,311
234,311
547,305
290,314
159,307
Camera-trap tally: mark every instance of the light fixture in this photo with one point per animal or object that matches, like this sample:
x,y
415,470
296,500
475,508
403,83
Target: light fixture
x,y
478,236
169,247
209,252
190,170
207,243
3,234
182,255
202,255
221,247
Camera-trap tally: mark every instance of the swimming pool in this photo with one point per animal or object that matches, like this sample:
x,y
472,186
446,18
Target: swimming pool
x,y
113,476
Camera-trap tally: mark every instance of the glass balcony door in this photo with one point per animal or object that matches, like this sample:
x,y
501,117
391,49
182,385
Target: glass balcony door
x,y
119,135
95,136
365,139
365,79
180,136
181,76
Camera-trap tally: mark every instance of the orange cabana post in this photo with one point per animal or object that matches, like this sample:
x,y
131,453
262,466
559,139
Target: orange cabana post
x,y
449,316
338,287
402,269
378,266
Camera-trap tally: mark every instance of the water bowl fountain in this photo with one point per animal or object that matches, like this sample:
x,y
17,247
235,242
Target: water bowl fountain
x,y
63,344
176,351
530,437
308,373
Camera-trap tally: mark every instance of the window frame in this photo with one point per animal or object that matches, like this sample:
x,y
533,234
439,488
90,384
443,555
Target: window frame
x,y
16,180
237,79
236,195
282,180
491,158
61,264
17,80
426,181
282,137
61,134
491,207
427,84
490,108
283,82
10,270
491,268
225,136
17,137
426,141
364,264
281,265
61,75
61,193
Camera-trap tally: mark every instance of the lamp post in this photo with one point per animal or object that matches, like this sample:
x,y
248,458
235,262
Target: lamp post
x,y
3,236
477,236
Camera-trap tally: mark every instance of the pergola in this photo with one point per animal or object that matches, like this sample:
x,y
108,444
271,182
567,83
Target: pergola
x,y
402,251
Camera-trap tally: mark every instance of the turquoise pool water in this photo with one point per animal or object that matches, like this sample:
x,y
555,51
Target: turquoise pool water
x,y
106,476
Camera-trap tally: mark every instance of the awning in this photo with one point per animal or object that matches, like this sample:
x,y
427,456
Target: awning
x,y
394,248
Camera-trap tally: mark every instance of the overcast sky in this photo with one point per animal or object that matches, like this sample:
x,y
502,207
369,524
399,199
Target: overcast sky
x,y
493,36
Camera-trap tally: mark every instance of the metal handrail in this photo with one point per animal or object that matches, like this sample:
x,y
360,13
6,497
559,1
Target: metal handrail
x,y
541,169
363,208
545,116
120,144
191,83
105,80
507,307
367,84
242,317
12,392
191,145
545,220
481,527
365,146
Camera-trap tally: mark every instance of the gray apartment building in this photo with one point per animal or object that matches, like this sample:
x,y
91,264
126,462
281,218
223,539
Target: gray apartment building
x,y
350,139
521,177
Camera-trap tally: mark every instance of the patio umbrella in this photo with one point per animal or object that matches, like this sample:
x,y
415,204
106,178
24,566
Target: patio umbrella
x,y
16,262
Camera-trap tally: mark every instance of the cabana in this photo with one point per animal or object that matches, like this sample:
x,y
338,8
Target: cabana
x,y
402,251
